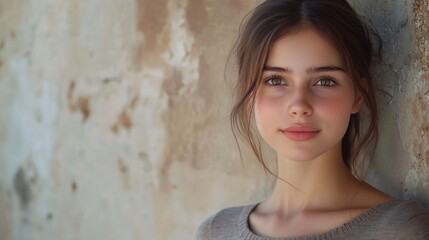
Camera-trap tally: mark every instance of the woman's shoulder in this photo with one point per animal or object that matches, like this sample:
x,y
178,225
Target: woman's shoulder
x,y
402,217
404,210
223,224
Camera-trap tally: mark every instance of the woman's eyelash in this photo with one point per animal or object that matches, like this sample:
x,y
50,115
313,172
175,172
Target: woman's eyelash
x,y
276,80
332,83
274,77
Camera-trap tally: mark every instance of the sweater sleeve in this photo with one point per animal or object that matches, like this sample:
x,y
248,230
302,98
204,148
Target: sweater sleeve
x,y
417,227
204,230
416,224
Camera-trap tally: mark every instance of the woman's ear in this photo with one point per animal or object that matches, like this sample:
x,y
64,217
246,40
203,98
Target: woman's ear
x,y
359,98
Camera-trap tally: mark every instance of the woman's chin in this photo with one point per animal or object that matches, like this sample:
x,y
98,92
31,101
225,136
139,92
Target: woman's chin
x,y
297,157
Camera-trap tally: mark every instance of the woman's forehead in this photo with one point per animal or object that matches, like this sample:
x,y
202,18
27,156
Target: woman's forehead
x,y
305,48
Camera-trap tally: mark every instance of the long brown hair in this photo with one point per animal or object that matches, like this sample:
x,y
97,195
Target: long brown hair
x,y
338,23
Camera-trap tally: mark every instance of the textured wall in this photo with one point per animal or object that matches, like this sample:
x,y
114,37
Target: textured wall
x,y
114,115
401,166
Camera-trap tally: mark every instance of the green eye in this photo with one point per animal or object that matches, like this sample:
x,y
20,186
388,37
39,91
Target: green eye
x,y
326,82
275,81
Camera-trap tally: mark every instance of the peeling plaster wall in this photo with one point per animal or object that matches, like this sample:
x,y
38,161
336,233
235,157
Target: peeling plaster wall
x,y
114,115
401,165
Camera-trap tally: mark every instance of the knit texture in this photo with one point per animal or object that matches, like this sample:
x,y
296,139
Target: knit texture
x,y
394,219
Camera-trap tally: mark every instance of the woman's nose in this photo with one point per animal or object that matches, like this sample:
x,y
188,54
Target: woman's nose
x,y
299,104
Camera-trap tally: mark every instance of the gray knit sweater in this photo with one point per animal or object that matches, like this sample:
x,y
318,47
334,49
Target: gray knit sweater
x,y
394,219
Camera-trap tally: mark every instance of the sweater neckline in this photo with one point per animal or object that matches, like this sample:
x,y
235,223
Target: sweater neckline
x,y
247,233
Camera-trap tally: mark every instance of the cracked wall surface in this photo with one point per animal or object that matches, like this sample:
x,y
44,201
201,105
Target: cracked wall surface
x,y
114,115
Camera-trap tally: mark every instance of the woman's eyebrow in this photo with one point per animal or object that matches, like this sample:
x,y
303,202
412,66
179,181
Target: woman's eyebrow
x,y
324,69
309,70
277,69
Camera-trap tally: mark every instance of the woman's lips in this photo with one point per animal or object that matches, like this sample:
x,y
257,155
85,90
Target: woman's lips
x,y
300,132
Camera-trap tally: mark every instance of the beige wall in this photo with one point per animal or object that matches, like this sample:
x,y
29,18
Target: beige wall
x,y
114,115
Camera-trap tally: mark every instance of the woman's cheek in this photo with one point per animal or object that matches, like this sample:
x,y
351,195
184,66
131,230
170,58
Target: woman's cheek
x,y
266,109
338,109
270,103
332,106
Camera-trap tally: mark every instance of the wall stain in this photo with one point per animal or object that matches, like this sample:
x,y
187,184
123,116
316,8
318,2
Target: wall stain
x,y
109,80
190,119
73,186
81,104
178,121
134,102
1,44
123,121
74,18
22,183
171,86
196,15
151,18
418,123
147,164
70,91
415,110
421,30
123,169
419,136
238,4
190,110
205,89
151,21
49,216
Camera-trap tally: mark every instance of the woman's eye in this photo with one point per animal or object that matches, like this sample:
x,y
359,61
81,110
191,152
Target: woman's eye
x,y
325,82
275,81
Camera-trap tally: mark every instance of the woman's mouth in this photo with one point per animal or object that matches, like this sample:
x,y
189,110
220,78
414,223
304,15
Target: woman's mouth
x,y
300,132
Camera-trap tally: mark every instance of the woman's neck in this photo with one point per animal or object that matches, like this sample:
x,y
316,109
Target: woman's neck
x,y
323,183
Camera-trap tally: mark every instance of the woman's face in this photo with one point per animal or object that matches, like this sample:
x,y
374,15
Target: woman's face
x,y
305,97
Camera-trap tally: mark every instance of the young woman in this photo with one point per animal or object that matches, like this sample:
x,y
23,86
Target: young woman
x,y
303,83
